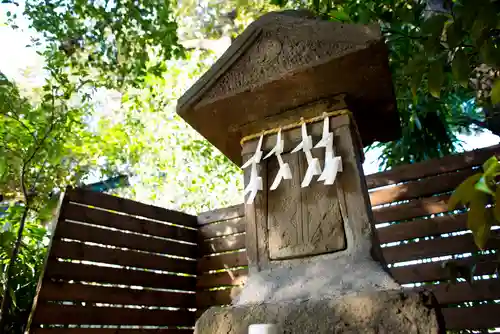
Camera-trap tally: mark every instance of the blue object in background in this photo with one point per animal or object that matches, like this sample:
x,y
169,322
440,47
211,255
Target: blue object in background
x,y
106,185
109,184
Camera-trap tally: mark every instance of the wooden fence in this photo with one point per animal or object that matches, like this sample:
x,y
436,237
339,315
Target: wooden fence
x,y
416,231
117,266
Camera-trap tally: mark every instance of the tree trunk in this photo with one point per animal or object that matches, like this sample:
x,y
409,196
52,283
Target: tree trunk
x,y
5,308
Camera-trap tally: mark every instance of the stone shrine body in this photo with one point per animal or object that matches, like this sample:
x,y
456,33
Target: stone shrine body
x,y
314,261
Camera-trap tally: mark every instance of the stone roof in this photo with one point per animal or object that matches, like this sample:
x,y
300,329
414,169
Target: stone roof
x,y
287,59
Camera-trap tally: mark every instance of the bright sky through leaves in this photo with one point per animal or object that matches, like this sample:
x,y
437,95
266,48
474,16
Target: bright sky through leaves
x,y
17,58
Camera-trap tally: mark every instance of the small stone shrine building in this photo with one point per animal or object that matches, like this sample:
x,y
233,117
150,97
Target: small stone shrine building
x,y
314,264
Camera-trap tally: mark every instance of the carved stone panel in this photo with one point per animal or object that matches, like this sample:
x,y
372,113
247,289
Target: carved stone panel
x,y
302,221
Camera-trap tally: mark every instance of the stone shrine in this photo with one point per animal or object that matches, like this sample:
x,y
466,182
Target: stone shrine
x,y
314,261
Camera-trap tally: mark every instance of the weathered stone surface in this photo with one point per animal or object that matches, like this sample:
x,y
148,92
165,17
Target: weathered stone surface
x,y
293,222
282,62
302,222
314,278
384,312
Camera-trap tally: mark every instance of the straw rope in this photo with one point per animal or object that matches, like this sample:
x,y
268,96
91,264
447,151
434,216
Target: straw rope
x,y
299,124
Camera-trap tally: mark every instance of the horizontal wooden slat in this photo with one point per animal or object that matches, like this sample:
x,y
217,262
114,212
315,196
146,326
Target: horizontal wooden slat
x,y
81,251
89,273
108,331
219,245
431,167
61,291
463,292
436,247
227,227
69,314
434,271
98,235
130,207
478,317
413,209
129,223
422,227
206,299
421,188
221,214
231,277
223,261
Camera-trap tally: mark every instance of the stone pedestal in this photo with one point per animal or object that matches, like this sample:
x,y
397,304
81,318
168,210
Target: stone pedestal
x,y
374,313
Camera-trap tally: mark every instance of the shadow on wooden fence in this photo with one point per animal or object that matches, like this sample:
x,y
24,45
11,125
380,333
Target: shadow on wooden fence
x,y
119,266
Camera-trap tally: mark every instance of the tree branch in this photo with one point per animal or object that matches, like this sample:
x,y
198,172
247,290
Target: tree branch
x,y
22,124
27,199
35,151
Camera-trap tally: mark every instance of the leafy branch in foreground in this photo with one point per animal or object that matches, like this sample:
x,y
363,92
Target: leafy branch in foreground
x,y
477,193
44,146
480,194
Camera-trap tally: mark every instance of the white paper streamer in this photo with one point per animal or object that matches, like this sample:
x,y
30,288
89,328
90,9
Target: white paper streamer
x,y
313,166
255,182
284,172
333,164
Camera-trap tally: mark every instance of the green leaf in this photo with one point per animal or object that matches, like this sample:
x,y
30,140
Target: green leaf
x,y
460,68
416,80
432,46
489,53
488,14
477,31
436,78
495,92
482,233
464,192
490,164
496,209
477,216
405,14
415,64
339,15
454,35
3,169
483,186
434,25
316,5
